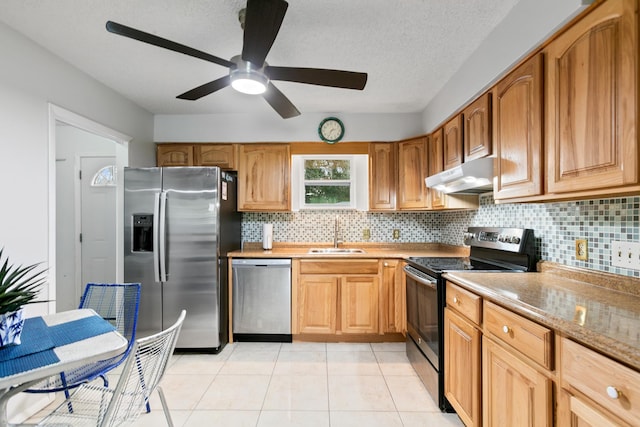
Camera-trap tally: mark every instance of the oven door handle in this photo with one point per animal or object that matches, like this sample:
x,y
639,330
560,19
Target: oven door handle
x,y
429,282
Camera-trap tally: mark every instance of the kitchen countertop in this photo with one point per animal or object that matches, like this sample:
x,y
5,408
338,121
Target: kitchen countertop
x,y
556,298
372,250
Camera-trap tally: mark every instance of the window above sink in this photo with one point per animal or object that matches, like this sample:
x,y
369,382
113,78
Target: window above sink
x,y
329,182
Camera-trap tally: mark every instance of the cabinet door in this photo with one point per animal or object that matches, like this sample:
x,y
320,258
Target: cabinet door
x,y
462,367
174,155
477,128
452,143
359,305
382,176
392,305
435,157
577,412
412,171
317,303
514,394
221,155
263,177
517,131
591,83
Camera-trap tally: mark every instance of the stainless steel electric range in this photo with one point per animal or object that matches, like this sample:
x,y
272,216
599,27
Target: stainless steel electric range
x,y
491,249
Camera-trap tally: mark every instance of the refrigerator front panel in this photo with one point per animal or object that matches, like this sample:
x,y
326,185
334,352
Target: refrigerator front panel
x,y
191,233
141,188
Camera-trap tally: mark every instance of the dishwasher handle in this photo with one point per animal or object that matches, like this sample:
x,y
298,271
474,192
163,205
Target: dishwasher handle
x,y
260,262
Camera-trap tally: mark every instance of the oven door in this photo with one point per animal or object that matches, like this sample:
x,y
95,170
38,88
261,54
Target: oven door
x,y
422,313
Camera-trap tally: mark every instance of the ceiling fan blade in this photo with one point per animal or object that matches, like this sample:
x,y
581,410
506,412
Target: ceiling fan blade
x,y
205,89
280,103
132,33
319,76
262,22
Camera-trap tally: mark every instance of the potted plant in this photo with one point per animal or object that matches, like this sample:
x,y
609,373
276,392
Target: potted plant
x,y
18,286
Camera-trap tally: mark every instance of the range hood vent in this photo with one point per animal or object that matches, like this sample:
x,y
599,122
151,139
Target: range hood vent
x,y
472,177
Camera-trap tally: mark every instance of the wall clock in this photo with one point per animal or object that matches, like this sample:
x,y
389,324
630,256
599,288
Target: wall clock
x,y
331,130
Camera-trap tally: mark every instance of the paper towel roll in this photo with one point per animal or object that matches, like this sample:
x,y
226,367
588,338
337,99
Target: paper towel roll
x,y
267,236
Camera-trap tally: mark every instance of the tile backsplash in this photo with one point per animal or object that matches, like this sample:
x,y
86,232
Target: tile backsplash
x,y
556,226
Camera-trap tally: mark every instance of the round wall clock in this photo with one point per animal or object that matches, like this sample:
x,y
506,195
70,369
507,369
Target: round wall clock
x,y
331,130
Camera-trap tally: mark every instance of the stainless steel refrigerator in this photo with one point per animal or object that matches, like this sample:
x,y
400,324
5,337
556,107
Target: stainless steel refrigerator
x,y
180,222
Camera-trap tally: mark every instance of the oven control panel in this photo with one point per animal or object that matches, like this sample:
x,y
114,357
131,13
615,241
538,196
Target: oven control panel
x,y
509,239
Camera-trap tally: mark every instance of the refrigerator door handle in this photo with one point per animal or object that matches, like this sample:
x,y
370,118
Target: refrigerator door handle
x,y
162,236
156,247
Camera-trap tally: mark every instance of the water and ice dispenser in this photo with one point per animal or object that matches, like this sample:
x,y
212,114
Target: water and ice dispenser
x,y
142,233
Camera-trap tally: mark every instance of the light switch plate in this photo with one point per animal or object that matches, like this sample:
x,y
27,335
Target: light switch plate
x,y
625,254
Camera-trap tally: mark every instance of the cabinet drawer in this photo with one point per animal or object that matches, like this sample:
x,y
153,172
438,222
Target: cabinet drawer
x,y
592,374
344,266
466,303
533,340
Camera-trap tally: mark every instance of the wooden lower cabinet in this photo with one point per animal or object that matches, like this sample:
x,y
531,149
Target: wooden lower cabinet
x,y
359,305
338,297
393,317
514,393
462,367
317,303
596,390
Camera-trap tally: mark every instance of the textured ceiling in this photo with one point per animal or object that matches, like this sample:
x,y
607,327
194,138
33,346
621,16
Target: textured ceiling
x,y
409,48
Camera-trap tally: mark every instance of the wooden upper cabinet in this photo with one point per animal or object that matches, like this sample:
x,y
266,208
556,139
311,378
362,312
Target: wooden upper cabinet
x,y
264,177
517,131
452,143
591,95
174,155
477,128
435,159
383,159
221,155
412,167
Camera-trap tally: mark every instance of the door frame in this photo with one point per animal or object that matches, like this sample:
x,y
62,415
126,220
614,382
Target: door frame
x,y
59,114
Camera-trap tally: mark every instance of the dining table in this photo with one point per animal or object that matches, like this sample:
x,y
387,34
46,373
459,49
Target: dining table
x,y
52,344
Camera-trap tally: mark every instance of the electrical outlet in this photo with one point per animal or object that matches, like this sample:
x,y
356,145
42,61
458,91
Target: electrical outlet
x,y
396,234
366,234
582,251
625,255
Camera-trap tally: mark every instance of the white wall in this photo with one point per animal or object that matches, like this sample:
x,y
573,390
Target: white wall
x,y
528,24
31,78
270,127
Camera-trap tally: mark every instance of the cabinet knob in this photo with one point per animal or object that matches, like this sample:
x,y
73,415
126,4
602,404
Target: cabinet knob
x,y
506,329
613,392
456,300
386,264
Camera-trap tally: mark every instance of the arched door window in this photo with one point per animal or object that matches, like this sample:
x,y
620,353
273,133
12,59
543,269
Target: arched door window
x,y
105,177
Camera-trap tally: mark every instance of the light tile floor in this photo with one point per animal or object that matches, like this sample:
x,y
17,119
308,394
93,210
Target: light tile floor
x,y
297,384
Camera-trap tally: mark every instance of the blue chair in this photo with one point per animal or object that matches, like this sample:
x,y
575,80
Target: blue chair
x,y
117,303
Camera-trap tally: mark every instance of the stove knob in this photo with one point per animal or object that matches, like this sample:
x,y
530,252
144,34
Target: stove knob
x,y
501,238
515,239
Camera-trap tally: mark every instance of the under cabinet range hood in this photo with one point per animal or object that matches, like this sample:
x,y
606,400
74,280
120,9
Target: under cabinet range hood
x,y
472,177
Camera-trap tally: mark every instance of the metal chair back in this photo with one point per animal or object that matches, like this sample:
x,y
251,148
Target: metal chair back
x,y
141,375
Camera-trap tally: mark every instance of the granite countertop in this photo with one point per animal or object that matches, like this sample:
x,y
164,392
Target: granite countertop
x,y
372,250
605,319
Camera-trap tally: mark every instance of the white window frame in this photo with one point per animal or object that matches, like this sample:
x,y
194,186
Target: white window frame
x,y
359,182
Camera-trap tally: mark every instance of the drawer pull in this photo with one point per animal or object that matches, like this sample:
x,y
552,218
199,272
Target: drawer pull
x,y
506,329
613,392
456,300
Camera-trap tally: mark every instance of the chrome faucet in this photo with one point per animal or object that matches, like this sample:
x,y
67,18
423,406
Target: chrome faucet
x,y
336,241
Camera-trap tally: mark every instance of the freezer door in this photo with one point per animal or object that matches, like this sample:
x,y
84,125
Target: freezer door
x,y
141,191
191,233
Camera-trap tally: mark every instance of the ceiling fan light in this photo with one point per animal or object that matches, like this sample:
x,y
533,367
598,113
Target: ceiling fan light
x,y
249,84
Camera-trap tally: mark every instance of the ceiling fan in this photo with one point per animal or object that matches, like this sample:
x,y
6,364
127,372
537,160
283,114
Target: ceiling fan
x,y
248,72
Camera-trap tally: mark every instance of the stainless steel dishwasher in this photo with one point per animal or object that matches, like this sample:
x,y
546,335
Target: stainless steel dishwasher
x,y
261,299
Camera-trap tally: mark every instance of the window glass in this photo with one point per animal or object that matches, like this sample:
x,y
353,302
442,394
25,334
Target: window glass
x,y
105,177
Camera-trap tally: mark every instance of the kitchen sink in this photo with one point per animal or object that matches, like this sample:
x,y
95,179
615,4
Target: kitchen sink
x,y
336,251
